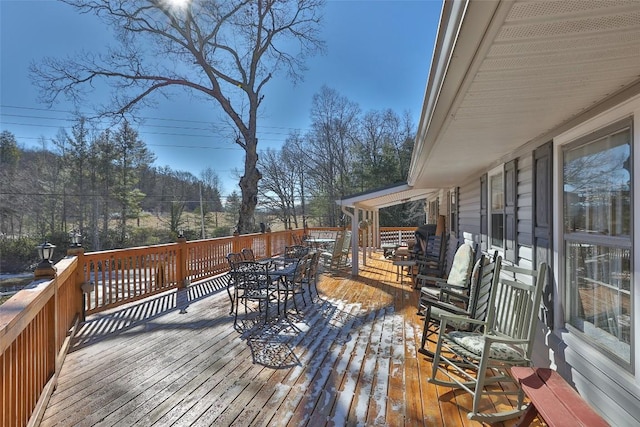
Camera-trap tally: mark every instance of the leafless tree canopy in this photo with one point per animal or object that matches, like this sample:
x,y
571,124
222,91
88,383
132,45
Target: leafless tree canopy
x,y
344,152
225,50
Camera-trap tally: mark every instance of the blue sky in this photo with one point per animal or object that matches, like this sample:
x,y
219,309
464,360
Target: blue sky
x,y
378,55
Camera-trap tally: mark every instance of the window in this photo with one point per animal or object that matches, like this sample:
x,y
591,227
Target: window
x,y
433,211
597,233
453,210
498,210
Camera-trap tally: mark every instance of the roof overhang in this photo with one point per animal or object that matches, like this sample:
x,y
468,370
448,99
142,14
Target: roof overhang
x,y
506,75
385,197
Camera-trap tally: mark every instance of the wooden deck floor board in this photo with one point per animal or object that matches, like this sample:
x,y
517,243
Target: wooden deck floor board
x,y
244,409
157,396
329,407
316,380
285,381
186,342
112,364
349,358
360,405
378,398
197,389
347,394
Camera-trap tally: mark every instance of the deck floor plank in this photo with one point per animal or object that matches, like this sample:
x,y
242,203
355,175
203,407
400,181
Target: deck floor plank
x,y
359,408
349,358
315,345
271,385
317,380
244,409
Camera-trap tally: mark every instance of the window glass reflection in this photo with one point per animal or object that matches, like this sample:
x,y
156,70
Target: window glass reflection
x,y
597,182
599,278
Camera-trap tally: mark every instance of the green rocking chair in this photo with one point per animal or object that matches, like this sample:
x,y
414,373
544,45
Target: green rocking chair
x,y
476,361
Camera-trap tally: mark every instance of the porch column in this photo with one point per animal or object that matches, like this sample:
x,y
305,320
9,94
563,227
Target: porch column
x,y
376,228
369,232
354,243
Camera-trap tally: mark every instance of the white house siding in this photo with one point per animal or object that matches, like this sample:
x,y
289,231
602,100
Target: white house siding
x,y
525,211
468,211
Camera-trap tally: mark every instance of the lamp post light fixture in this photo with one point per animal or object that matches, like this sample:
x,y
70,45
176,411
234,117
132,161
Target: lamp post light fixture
x,y
75,238
45,268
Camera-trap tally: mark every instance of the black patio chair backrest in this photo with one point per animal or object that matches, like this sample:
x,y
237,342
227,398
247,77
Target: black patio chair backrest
x,y
248,255
295,252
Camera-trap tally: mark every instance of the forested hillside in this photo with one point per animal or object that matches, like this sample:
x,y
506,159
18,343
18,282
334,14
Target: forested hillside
x,y
103,183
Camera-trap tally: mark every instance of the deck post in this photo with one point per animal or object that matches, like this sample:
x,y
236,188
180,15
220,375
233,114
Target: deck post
x,y
267,243
181,260
79,281
235,241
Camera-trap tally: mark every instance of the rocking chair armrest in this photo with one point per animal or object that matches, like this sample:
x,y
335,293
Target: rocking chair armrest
x,y
451,286
451,308
448,294
438,280
427,261
445,318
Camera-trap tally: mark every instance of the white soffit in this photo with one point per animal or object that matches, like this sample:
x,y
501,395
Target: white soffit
x,y
382,198
519,70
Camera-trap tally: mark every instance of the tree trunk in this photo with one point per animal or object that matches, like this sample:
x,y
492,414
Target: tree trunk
x,y
249,187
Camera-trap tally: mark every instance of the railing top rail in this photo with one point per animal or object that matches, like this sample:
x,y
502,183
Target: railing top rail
x,y
398,228
23,307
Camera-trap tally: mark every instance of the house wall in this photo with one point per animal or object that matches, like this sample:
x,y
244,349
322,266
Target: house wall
x,y
468,208
525,211
610,388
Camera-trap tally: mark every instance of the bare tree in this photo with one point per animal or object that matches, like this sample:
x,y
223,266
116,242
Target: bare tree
x,y
383,148
227,51
277,188
211,191
331,140
231,205
294,152
9,171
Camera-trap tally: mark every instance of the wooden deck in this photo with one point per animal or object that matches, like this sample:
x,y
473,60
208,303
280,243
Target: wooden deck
x,y
349,358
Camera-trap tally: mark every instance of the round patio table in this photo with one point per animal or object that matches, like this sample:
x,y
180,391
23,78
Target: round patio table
x,y
318,242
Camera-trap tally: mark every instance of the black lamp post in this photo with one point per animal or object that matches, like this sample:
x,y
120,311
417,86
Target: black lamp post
x,y
45,269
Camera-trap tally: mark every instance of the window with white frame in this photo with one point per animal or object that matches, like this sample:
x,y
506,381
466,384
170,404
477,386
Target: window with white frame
x,y
597,233
496,208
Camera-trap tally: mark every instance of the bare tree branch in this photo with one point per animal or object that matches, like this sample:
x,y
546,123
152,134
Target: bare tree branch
x,y
226,50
